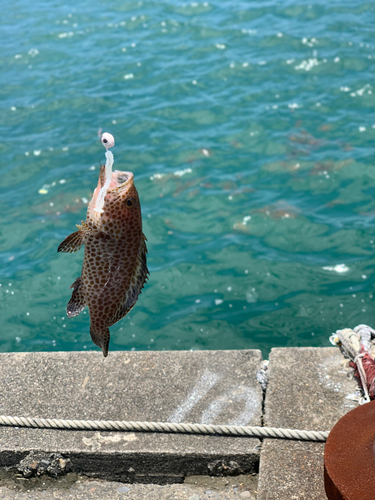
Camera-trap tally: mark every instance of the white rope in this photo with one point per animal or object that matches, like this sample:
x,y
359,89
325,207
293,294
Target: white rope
x,y
118,425
354,345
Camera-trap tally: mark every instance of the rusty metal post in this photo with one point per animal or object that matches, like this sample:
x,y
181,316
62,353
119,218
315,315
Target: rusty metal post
x,y
349,457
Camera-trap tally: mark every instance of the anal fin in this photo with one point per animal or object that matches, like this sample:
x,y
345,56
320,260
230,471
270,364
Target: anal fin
x,y
77,302
72,243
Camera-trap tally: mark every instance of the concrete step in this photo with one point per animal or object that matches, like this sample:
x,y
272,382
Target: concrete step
x,y
195,386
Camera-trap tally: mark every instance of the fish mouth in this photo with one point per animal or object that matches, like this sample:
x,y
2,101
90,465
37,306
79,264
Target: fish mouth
x,y
120,179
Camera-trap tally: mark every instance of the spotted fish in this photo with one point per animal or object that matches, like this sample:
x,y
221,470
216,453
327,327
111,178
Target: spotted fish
x,y
114,267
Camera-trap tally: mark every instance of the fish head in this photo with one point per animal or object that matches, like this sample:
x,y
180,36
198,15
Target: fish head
x,y
121,209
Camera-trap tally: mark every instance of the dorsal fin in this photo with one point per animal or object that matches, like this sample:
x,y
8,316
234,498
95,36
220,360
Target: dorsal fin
x,y
78,301
141,274
72,243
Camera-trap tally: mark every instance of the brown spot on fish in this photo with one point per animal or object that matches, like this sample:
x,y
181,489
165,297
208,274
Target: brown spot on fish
x,y
114,267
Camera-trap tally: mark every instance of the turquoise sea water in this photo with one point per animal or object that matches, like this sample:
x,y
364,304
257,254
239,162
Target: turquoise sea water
x,y
250,129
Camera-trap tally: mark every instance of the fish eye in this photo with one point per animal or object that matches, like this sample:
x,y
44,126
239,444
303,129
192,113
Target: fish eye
x,y
129,202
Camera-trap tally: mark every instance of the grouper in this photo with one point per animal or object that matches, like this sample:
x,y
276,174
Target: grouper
x,y
114,267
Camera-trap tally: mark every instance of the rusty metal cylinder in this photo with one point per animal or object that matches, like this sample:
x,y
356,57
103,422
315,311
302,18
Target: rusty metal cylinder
x,y
349,456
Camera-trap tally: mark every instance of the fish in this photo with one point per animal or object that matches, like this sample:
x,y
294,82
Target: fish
x,y
114,269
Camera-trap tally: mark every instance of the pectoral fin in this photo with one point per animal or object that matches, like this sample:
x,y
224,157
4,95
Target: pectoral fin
x,y
72,243
78,301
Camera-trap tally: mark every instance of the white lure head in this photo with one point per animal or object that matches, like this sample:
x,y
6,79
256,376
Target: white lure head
x,y
107,140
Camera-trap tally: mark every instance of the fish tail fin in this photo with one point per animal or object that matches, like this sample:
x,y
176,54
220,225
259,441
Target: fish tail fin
x,y
100,337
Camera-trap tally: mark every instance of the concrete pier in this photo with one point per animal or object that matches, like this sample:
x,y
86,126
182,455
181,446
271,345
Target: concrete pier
x,y
307,389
